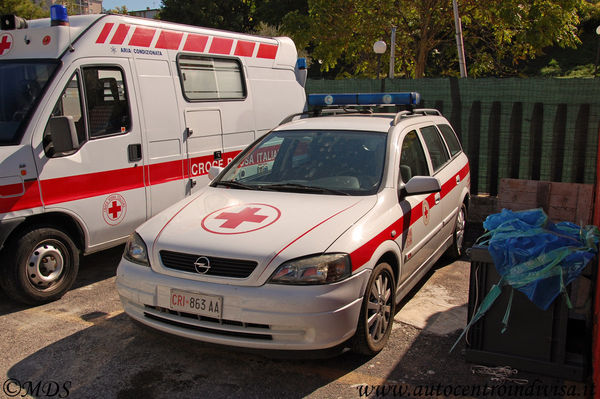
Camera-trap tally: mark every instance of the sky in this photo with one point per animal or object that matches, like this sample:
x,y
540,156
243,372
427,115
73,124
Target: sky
x,y
132,5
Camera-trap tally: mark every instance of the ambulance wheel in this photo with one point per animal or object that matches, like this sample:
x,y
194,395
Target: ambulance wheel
x,y
377,312
458,236
39,266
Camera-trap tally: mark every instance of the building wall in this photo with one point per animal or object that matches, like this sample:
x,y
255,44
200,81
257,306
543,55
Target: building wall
x,y
80,6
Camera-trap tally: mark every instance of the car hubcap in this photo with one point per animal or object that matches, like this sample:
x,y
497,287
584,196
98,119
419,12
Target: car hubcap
x,y
379,307
45,265
460,229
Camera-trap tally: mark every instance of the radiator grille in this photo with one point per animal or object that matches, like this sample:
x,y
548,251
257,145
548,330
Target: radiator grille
x,y
222,267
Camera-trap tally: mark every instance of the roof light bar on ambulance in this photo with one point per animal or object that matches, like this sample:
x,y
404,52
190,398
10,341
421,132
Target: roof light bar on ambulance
x,y
59,15
322,100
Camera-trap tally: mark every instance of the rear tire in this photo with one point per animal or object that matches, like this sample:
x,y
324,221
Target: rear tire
x,y
39,266
377,312
458,236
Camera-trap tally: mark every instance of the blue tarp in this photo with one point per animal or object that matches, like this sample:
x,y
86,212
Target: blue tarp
x,y
535,256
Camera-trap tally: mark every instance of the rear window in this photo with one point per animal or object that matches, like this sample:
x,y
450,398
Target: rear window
x,y
451,139
210,78
435,147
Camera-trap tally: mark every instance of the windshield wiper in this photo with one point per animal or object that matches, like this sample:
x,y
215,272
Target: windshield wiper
x,y
300,188
235,184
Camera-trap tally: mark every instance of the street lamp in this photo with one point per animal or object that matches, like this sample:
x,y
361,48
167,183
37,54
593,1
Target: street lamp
x,y
597,53
379,47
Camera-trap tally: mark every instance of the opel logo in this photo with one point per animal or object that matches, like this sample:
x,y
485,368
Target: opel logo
x,y
202,265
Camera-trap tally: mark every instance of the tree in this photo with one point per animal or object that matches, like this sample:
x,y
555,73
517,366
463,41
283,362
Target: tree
x,y
235,15
498,35
118,10
23,8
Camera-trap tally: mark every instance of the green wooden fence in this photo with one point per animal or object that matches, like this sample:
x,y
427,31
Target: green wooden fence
x,y
538,129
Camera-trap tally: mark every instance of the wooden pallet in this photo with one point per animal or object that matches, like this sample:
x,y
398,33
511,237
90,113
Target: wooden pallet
x,y
569,202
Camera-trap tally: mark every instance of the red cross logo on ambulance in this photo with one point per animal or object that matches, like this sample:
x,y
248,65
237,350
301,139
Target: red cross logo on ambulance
x,y
239,219
6,42
114,209
425,212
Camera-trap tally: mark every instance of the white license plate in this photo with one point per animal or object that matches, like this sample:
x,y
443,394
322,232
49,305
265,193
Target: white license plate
x,y
200,304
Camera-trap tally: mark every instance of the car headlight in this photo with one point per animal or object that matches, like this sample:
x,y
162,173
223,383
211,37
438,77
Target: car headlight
x,y
136,251
320,269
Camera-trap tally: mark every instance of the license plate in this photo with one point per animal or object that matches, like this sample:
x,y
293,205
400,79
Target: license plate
x,y
200,304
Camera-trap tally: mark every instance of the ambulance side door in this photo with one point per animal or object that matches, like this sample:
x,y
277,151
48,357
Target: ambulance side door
x,y
420,216
97,174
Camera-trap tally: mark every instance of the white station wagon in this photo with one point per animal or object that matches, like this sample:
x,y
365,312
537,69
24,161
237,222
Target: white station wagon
x,y
310,237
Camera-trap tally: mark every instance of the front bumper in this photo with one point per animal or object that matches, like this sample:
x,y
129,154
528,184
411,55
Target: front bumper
x,y
272,316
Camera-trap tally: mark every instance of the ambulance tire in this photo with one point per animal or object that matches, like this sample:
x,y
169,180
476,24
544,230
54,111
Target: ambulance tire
x,y
40,267
457,248
378,309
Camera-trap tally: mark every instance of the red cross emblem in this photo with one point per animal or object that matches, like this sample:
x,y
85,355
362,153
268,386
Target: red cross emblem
x,y
114,209
425,212
240,219
233,220
6,42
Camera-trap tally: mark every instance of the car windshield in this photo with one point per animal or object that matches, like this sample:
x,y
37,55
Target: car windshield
x,y
338,162
21,83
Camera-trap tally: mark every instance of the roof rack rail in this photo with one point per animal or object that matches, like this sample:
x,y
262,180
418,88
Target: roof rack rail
x,y
415,112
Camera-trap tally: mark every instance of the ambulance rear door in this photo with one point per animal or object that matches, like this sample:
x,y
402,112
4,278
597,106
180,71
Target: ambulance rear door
x,y
97,174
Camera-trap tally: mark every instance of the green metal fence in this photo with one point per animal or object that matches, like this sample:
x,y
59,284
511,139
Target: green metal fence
x,y
538,129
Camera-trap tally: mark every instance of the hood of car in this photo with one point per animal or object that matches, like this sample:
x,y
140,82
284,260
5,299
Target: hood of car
x,y
256,226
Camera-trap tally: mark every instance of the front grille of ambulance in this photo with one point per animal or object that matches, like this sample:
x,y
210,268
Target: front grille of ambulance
x,y
222,267
208,325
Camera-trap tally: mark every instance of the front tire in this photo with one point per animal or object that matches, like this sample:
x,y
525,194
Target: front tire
x,y
39,266
377,312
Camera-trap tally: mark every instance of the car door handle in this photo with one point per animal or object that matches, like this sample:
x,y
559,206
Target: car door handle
x,y
437,198
457,179
134,152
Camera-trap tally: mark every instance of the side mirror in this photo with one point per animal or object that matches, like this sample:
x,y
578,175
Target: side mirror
x,y
419,185
63,135
214,171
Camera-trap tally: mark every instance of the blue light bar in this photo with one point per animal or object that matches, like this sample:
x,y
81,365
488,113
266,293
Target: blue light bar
x,y
408,98
59,15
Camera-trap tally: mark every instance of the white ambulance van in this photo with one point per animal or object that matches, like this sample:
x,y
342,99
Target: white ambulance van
x,y
105,120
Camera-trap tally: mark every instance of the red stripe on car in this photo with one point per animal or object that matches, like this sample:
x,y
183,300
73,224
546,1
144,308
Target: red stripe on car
x,y
268,51
169,40
142,37
221,45
195,43
120,34
104,34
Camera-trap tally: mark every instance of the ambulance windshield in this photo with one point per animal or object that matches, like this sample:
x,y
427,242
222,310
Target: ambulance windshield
x,y
21,84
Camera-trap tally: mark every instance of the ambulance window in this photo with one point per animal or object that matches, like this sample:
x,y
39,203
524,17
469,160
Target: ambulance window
x,y
68,105
412,158
451,139
435,146
106,100
207,78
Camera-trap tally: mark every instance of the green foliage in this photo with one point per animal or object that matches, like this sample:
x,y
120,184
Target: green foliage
x,y
498,35
235,15
23,8
119,10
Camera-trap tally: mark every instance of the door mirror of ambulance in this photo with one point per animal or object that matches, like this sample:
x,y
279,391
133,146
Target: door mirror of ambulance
x,y
63,136
419,185
214,172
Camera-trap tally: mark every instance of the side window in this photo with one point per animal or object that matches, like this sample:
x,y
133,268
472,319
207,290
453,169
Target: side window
x,y
69,109
207,78
412,158
435,146
106,100
451,139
